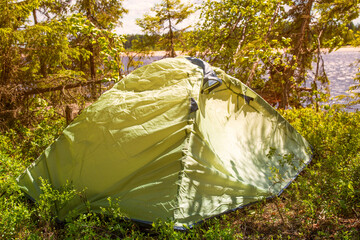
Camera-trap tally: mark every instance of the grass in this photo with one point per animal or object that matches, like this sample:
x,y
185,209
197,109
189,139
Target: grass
x,y
322,203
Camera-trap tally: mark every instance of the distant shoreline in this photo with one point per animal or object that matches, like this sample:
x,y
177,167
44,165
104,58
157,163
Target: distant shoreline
x,y
348,49
180,53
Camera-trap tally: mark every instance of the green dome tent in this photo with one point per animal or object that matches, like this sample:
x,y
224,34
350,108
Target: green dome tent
x,y
175,139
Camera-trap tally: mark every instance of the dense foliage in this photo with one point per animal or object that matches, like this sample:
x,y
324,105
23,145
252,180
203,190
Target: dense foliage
x,y
323,202
60,50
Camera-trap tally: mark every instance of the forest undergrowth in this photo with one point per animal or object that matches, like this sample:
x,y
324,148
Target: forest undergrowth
x,y
322,203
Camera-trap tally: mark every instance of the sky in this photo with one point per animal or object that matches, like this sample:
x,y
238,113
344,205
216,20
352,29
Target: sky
x,y
137,9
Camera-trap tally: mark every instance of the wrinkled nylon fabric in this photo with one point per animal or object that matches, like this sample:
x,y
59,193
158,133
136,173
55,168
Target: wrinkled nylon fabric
x,y
141,143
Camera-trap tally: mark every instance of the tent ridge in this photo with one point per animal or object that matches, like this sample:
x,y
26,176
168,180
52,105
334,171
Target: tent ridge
x,y
189,130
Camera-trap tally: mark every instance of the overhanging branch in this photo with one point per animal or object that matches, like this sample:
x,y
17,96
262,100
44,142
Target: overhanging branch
x,y
58,88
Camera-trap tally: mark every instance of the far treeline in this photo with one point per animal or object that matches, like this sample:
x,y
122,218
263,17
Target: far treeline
x,y
67,52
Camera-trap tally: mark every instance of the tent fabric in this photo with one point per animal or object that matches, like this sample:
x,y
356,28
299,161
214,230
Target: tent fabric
x,y
167,149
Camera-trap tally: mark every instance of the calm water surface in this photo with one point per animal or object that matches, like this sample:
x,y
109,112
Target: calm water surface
x,y
341,68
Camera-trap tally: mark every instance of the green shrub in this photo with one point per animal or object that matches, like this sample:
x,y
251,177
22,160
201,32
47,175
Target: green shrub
x,y
329,188
18,148
15,213
28,142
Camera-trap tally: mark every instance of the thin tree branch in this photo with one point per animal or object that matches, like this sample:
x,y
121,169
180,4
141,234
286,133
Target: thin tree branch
x,y
58,88
256,63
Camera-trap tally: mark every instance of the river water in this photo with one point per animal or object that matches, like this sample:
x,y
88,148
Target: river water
x,y
341,68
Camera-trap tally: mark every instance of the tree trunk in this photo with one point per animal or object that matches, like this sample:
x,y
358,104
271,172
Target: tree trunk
x,y
68,114
297,53
285,94
171,36
35,17
92,66
92,70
